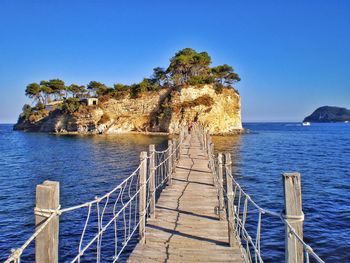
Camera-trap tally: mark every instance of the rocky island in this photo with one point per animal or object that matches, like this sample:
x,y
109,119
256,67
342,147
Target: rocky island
x,y
329,114
188,90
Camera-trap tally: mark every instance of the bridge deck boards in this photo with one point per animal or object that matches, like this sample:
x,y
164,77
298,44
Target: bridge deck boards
x,y
186,228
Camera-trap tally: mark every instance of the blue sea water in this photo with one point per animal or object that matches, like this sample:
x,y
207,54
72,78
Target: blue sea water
x,y
321,153
88,166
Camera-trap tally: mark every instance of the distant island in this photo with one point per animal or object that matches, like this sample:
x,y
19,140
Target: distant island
x,y
188,90
329,114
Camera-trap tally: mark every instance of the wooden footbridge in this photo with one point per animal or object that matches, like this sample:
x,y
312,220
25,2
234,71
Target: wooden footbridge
x,y
183,204
185,225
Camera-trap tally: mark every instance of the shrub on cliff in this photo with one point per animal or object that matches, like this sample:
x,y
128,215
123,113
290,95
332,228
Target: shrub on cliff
x,y
40,106
104,119
71,105
204,100
26,112
118,87
145,85
218,88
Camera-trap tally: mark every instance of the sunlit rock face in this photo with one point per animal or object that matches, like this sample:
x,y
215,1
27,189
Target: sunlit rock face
x,y
164,111
221,116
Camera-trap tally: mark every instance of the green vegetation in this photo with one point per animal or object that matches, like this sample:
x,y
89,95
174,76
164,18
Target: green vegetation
x,y
204,100
224,75
97,88
26,112
187,67
71,105
77,91
186,64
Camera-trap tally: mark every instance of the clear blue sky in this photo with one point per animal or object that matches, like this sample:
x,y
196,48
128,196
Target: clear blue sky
x,y
292,56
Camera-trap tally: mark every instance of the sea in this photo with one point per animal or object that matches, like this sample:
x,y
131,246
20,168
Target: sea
x,y
89,166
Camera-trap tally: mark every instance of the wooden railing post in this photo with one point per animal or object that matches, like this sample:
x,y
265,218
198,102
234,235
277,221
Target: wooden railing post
x,y
208,139
152,181
170,161
142,196
295,217
181,134
46,243
181,140
175,154
178,149
209,146
230,199
221,187
211,153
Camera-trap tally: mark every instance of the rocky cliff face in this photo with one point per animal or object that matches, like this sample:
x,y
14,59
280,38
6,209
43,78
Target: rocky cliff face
x,y
221,113
163,111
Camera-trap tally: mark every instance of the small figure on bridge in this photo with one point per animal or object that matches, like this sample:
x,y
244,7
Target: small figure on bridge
x,y
190,125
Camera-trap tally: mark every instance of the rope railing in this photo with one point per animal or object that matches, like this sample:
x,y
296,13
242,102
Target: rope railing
x,y
125,209
241,202
240,222
122,210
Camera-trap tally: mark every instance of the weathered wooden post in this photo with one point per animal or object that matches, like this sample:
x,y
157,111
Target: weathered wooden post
x,y
178,149
175,154
181,139
46,243
208,139
212,148
211,156
221,187
142,196
209,145
230,199
182,133
294,215
152,181
170,163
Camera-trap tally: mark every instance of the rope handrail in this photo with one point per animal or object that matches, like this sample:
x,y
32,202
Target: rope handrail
x,y
124,205
16,253
240,212
127,214
281,216
168,156
240,223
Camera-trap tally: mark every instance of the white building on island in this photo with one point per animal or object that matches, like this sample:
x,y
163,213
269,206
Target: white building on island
x,y
90,101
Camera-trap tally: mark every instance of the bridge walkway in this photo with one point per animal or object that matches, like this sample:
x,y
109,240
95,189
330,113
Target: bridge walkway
x,y
186,227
